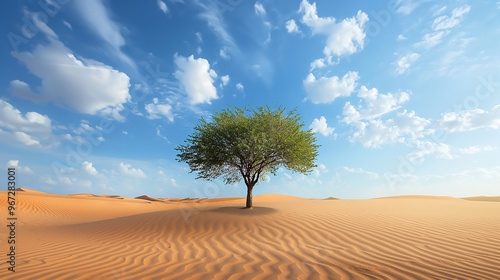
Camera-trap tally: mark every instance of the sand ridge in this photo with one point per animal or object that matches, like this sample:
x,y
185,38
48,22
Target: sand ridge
x,y
101,237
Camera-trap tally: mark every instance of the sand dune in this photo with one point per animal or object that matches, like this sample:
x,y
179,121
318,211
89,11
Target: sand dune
x,y
483,198
416,197
88,237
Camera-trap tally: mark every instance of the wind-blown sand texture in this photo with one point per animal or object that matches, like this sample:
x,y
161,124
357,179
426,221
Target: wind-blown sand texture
x,y
111,237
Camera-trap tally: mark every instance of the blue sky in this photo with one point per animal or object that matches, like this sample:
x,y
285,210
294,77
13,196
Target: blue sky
x,y
404,95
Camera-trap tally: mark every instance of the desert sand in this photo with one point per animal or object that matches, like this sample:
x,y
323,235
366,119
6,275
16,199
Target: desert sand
x,y
88,236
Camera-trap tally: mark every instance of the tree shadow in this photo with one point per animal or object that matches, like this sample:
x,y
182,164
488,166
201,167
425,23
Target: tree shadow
x,y
235,210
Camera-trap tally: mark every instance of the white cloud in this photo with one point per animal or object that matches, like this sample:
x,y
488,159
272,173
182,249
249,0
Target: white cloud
x,y
163,7
292,27
30,129
23,169
84,133
87,167
223,54
471,120
85,85
259,9
326,90
357,171
431,39
426,149
239,86
404,63
99,21
197,79
125,132
198,37
213,14
439,11
26,139
477,149
407,6
32,122
158,133
48,180
318,63
345,37
401,37
40,25
321,126
23,90
321,168
155,111
68,24
225,80
375,105
126,169
441,26
404,127
447,22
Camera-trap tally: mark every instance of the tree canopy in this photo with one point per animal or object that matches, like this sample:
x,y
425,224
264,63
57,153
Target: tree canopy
x,y
249,143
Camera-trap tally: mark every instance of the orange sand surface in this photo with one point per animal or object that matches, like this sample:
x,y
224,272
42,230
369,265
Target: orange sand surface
x,y
88,236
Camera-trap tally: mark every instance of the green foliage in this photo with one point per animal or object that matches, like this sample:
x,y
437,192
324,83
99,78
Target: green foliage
x,y
238,145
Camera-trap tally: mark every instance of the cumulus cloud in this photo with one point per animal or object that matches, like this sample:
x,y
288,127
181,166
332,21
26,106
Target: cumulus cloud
x,y
89,168
156,110
85,85
26,139
239,86
345,37
23,169
321,126
318,63
375,105
405,126
468,120
163,7
292,27
327,89
196,78
126,169
404,63
225,80
32,129
447,22
84,132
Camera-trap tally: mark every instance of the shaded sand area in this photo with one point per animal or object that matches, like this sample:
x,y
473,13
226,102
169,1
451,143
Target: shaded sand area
x,y
111,237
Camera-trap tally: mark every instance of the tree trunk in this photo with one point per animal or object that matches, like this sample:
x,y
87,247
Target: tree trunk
x,y
249,196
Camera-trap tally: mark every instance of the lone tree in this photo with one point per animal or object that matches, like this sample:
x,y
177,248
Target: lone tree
x,y
239,145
